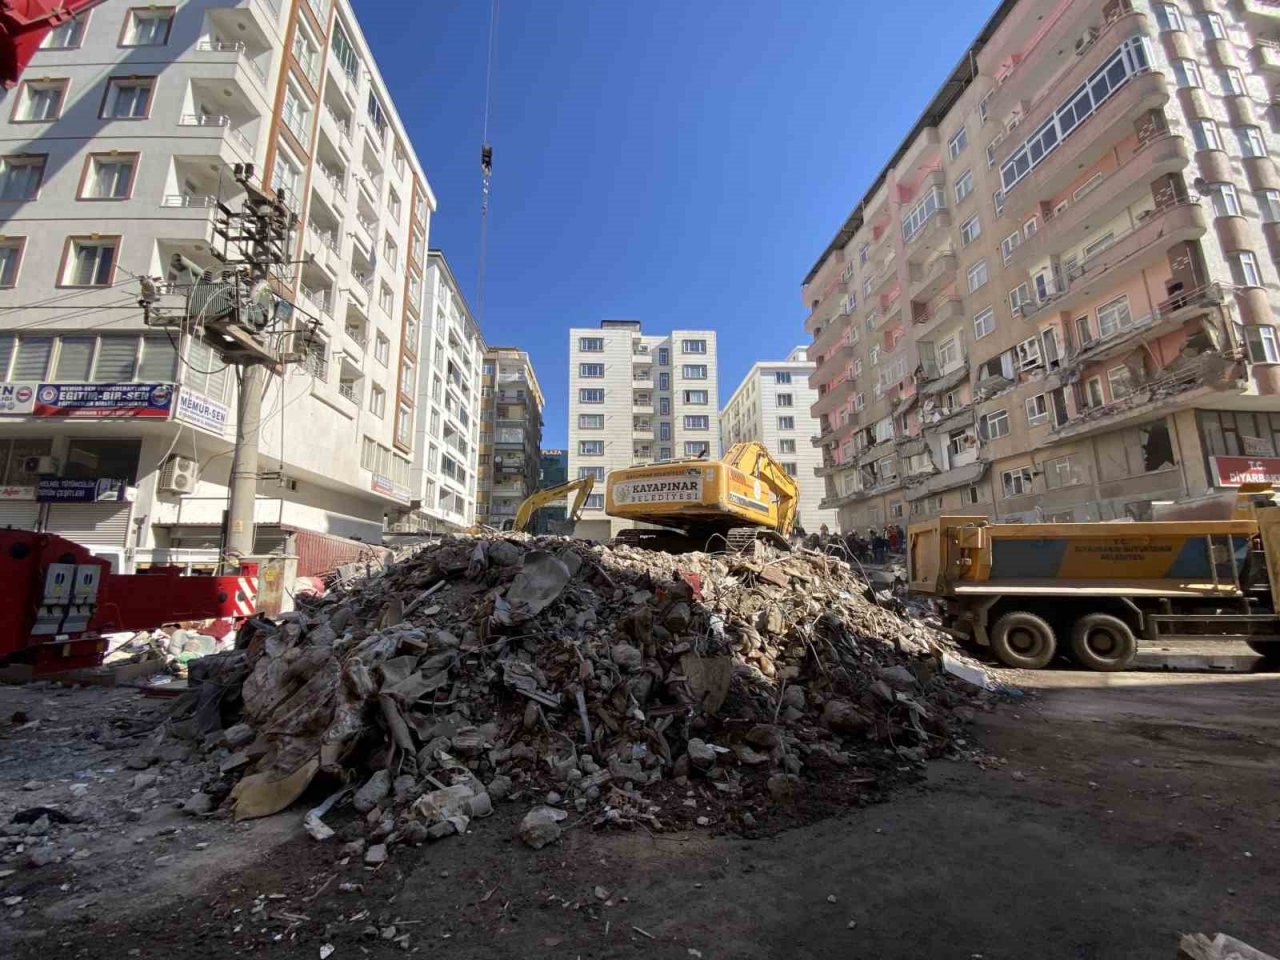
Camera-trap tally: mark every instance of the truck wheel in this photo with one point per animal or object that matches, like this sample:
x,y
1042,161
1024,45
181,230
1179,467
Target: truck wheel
x,y
1100,641
1023,640
1268,650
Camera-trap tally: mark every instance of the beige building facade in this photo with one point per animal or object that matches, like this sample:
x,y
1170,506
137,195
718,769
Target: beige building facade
x,y
1056,302
510,434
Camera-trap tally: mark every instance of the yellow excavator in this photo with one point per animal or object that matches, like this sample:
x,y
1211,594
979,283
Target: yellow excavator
x,y
745,496
540,498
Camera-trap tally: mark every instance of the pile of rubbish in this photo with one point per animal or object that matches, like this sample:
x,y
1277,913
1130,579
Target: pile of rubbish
x,y
613,684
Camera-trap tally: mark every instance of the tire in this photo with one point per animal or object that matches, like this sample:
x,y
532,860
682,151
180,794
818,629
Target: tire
x,y
1023,640
1268,650
1102,642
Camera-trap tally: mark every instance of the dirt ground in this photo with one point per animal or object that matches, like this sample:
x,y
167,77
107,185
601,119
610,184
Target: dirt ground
x,y
1106,814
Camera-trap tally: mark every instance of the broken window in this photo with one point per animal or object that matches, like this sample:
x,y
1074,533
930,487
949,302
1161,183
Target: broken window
x,y
1135,451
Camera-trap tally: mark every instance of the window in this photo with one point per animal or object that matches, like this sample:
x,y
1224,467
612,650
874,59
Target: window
x,y
1186,73
1130,58
696,397
393,205
791,469
697,423
1120,379
970,230
595,473
957,442
1204,133
377,116
1169,17
1251,142
391,252
913,222
1010,244
40,100
398,160
128,98
89,262
1214,27
1244,268
964,185
984,323
408,378
664,381
591,448
1028,353
693,346
664,431
859,401
377,401
782,376
1017,297
1269,205
1263,343
67,35
381,349
992,156
993,425
697,448
786,423
664,406
20,177
789,446
147,28
948,354
664,356
956,145
1093,393
857,366
786,400
1232,82
593,395
591,369
1225,201
1016,482
997,201
108,176
386,300
591,421
1037,409
595,501
591,344
1059,472
692,371
10,260
344,53
978,276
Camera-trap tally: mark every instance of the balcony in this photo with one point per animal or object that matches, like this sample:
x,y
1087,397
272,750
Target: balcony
x,y
357,335
939,312
188,201
642,407
319,298
832,363
1090,141
1266,54
929,280
1126,184
826,310
347,84
641,383
1167,317
1144,244
219,125
347,390
1261,14
836,396
930,236
339,127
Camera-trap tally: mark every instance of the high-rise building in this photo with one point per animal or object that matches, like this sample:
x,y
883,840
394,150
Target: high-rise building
x,y
771,405
119,142
553,468
1057,299
446,448
510,434
635,398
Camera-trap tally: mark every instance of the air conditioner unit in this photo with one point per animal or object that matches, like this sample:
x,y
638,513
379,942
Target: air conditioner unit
x,y
1086,40
40,466
178,475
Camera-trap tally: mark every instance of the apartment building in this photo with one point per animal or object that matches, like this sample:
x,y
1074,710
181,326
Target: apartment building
x,y
772,405
635,398
510,434
447,438
118,142
1056,301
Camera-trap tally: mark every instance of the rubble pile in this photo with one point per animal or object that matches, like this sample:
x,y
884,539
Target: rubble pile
x,y
612,684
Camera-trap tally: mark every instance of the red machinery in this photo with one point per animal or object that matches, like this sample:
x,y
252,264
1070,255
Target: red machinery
x,y
23,27
58,600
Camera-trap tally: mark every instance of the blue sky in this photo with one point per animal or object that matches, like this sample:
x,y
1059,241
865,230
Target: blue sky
x,y
678,162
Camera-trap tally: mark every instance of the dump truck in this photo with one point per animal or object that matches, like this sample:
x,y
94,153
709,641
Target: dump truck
x,y
703,504
1029,591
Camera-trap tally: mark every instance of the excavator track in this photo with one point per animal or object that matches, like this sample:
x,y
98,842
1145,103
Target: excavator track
x,y
741,538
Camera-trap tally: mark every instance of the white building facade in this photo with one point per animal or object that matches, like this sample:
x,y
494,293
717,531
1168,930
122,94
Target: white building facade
x,y
446,448
636,398
118,143
771,405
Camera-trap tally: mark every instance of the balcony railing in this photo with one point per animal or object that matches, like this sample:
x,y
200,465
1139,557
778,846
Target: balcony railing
x,y
321,298
357,336
325,238
189,200
221,46
344,126
348,389
317,366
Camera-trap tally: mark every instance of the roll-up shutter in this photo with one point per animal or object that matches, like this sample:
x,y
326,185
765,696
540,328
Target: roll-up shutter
x,y
93,524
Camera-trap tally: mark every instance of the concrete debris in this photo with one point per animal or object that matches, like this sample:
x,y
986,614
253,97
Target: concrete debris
x,y
553,668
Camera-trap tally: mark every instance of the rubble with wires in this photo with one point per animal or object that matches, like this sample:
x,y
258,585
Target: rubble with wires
x,y
613,685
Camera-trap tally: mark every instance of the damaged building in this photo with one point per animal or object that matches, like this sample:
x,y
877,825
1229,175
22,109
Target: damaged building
x,y
1055,302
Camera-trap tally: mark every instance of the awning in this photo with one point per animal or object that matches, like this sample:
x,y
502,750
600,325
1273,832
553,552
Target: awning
x,y
945,383
955,477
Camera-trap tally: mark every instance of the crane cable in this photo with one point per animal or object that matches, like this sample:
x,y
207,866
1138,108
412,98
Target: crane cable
x,y
486,167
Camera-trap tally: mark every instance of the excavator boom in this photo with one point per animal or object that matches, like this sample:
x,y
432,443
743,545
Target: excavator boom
x,y
540,498
23,26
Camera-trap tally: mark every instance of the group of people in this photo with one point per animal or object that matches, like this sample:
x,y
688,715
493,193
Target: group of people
x,y
875,547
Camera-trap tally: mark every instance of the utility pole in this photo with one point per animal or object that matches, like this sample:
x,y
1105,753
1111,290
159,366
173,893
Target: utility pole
x,y
240,314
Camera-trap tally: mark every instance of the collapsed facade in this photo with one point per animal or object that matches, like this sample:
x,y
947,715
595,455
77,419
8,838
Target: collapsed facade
x,y
1055,302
